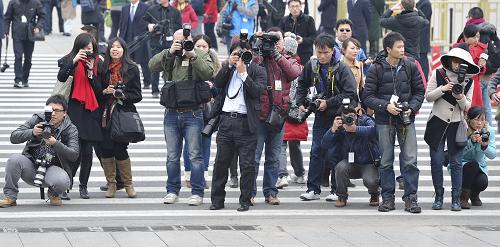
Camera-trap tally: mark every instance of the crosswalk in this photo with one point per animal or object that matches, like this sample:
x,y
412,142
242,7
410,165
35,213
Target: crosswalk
x,y
149,172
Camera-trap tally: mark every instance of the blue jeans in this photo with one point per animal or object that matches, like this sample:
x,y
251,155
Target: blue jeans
x,y
187,126
407,139
273,141
317,157
453,157
205,149
486,101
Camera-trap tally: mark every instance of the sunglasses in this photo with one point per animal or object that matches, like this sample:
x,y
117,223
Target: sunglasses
x,y
344,30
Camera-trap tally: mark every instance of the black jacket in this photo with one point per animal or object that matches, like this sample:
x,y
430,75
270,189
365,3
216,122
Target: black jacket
x,y
156,13
252,89
425,36
409,24
379,87
128,31
304,27
344,87
93,17
34,12
360,16
328,9
2,22
87,122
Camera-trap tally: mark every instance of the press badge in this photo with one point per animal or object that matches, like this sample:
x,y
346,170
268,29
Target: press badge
x,y
185,63
23,19
351,157
394,99
277,85
245,19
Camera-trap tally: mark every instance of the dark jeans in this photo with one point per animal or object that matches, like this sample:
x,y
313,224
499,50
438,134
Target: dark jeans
x,y
270,142
155,77
424,63
209,31
115,18
317,157
345,171
22,70
233,137
85,161
374,48
48,7
205,149
454,157
474,178
296,159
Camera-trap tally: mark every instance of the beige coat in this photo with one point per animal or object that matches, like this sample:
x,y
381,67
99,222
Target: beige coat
x,y
68,11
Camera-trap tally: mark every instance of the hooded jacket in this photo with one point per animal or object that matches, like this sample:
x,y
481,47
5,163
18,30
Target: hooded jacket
x,y
66,148
474,153
31,9
409,24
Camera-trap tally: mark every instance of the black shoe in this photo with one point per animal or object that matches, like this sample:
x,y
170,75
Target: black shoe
x,y
387,205
146,87
118,187
18,84
350,184
25,84
66,34
233,182
243,208
64,196
84,194
156,95
215,207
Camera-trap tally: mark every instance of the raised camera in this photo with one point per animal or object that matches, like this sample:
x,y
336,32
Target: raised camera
x,y
485,135
47,125
187,45
245,55
89,53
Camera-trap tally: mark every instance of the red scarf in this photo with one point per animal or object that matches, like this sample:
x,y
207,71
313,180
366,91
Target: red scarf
x,y
475,21
116,73
82,90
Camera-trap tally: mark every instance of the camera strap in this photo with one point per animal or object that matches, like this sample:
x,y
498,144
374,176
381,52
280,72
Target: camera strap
x,y
269,86
332,70
239,89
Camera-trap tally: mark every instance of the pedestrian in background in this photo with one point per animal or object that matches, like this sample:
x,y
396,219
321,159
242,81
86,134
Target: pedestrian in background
x,y
425,37
93,16
2,35
359,14
116,12
187,12
377,8
48,6
243,14
198,6
328,9
209,19
68,8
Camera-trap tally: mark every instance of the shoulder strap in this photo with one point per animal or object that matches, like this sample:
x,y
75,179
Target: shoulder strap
x,y
269,86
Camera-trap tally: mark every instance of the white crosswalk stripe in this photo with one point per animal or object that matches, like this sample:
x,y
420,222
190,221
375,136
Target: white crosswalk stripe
x,y
148,166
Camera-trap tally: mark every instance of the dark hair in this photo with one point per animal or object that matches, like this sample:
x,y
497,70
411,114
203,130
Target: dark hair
x,y
391,38
342,22
470,31
324,40
81,41
92,31
343,110
203,37
57,99
125,58
276,29
475,13
290,1
347,41
408,5
237,44
475,112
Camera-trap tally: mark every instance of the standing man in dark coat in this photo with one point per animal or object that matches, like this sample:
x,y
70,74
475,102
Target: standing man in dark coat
x,y
132,25
359,14
1,27
328,9
20,13
425,36
375,31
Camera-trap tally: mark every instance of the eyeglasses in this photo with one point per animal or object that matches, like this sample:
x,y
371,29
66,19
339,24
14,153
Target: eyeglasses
x,y
57,110
344,30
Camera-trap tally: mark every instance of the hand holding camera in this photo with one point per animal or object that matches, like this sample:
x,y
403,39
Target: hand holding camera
x,y
393,109
337,124
50,141
38,129
82,55
109,90
176,47
496,97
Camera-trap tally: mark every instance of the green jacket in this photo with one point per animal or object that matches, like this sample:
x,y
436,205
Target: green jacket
x,y
202,64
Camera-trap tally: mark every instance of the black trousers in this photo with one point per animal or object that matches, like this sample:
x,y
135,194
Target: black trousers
x,y
233,169
155,77
115,18
424,63
234,136
146,72
474,178
209,31
85,160
48,7
22,48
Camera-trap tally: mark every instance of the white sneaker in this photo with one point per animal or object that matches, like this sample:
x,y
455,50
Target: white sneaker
x,y
282,182
309,196
195,200
301,180
171,198
331,198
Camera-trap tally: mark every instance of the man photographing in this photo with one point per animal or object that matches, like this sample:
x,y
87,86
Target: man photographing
x,y
52,143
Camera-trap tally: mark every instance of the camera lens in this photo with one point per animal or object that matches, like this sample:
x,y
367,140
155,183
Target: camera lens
x,y
348,120
457,89
246,56
188,45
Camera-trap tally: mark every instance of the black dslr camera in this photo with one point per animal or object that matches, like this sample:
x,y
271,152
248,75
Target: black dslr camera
x,y
211,126
457,88
311,105
47,125
485,134
405,117
245,55
265,44
187,45
346,118
119,90
89,54
42,163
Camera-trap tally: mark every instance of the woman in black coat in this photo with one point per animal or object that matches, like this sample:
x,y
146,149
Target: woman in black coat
x,y
83,107
121,90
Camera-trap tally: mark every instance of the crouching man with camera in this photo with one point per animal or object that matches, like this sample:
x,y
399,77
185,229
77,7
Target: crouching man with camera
x,y
49,155
354,141
186,69
394,89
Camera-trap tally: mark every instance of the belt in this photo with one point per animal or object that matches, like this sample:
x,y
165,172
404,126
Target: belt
x,y
234,115
184,109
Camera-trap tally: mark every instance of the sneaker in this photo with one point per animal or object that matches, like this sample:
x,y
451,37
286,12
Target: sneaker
x,y
309,196
64,196
374,200
331,198
18,84
341,202
273,200
411,204
170,198
195,200
282,182
233,182
387,205
301,180
7,202
252,201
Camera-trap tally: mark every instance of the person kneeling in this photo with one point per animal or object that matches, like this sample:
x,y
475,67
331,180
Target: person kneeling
x,y
50,152
354,139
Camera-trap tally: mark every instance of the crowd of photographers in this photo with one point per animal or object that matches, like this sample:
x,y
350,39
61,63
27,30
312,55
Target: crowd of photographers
x,y
258,101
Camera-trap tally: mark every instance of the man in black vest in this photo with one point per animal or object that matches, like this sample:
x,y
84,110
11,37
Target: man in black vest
x,y
242,86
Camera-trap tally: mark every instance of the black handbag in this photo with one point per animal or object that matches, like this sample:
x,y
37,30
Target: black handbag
x,y
277,115
35,36
126,127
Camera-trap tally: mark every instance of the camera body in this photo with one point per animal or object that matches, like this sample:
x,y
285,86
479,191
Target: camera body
x,y
266,44
458,88
119,90
485,134
47,125
187,45
89,54
311,105
405,117
244,53
42,163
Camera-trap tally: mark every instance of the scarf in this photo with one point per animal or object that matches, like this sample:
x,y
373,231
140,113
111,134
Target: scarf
x,y
475,21
116,73
82,90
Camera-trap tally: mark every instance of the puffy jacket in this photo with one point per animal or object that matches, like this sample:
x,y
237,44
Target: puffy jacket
x,y
242,18
32,9
211,12
379,87
66,148
188,15
304,27
474,152
363,143
410,24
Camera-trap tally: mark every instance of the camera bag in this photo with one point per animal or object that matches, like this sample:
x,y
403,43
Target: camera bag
x,y
63,87
126,126
277,115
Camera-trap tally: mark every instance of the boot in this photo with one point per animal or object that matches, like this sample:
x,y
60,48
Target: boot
x,y
455,200
438,199
411,204
474,199
464,199
126,172
108,165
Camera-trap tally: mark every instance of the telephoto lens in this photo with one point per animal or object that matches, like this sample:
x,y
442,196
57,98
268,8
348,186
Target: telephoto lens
x,y
47,126
43,164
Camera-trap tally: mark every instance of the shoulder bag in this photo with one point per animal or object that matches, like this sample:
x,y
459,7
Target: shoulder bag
x,y
63,88
277,115
126,126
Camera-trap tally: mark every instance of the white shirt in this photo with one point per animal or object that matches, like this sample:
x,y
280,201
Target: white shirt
x,y
235,87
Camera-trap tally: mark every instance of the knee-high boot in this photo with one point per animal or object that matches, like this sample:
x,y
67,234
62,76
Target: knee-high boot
x,y
126,172
108,164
